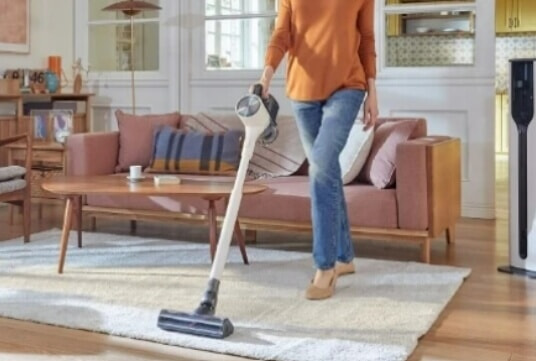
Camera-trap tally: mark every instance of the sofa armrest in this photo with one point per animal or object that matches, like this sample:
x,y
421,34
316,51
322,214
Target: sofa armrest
x,y
428,183
92,153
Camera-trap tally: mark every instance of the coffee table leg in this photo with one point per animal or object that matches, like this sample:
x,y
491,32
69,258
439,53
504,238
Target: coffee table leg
x,y
11,214
79,219
67,222
213,228
241,242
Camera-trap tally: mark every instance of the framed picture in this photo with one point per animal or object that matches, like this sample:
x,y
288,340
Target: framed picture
x,y
15,26
41,125
62,124
51,125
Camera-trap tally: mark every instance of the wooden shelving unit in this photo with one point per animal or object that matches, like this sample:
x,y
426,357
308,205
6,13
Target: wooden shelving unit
x,y
48,158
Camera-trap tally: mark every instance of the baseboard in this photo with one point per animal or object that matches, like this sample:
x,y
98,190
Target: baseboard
x,y
479,212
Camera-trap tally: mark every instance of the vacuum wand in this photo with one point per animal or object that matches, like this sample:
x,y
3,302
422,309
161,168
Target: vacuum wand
x,y
252,134
259,118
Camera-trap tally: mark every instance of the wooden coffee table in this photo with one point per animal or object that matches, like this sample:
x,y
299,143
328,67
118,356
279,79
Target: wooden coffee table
x,y
73,188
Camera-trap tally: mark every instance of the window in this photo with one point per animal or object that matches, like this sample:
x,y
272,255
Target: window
x,y
110,39
429,33
237,32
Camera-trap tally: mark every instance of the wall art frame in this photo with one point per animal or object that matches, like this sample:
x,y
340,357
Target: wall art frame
x,y
15,26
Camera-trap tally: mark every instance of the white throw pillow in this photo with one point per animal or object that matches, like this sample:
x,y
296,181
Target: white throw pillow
x,y
355,153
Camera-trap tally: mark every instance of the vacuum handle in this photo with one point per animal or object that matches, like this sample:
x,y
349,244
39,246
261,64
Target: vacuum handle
x,y
257,89
523,194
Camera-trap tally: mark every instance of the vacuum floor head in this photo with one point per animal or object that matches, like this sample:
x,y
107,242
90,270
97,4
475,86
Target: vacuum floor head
x,y
195,324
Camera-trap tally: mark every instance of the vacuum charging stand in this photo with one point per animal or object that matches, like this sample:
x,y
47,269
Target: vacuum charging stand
x,y
522,170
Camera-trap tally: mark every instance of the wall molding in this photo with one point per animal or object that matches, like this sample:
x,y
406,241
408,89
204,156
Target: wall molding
x,y
126,83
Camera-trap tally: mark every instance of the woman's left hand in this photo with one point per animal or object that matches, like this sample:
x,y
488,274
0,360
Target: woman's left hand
x,y
370,109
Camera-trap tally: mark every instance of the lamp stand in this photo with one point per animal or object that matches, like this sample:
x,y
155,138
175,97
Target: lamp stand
x,y
132,64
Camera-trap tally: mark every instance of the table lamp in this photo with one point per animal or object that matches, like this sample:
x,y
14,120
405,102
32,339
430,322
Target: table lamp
x,y
132,8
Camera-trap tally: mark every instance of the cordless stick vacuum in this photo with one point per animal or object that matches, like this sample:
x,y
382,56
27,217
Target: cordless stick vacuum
x,y
522,172
259,118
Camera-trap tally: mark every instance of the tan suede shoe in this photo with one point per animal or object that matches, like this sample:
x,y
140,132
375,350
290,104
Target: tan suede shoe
x,y
344,268
316,293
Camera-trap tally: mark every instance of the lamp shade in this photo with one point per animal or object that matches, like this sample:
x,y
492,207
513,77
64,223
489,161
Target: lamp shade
x,y
131,7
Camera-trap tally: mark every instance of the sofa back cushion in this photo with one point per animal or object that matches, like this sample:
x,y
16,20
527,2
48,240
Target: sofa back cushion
x,y
283,157
192,152
380,168
355,152
136,137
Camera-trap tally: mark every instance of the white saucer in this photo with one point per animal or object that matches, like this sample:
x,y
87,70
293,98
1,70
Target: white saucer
x,y
135,180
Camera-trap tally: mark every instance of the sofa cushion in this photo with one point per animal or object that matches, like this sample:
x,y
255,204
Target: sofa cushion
x,y
289,201
136,137
355,152
281,158
380,168
183,151
11,172
286,199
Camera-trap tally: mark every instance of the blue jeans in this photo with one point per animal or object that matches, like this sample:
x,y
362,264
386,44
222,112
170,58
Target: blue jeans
x,y
324,127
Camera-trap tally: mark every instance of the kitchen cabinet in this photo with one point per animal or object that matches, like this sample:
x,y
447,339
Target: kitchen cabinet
x,y
502,119
515,16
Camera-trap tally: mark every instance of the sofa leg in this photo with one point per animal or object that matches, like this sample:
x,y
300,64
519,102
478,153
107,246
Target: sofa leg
x,y
451,235
251,236
133,226
93,224
425,250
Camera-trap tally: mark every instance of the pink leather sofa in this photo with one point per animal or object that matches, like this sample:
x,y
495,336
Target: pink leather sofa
x,y
424,203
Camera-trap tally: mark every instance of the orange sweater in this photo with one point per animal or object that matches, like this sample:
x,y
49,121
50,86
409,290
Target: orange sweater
x,y
330,45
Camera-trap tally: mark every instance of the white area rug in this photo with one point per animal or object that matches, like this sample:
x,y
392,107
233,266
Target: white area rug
x,y
118,284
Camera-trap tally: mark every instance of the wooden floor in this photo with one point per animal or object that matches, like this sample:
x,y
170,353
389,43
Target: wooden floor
x,y
492,318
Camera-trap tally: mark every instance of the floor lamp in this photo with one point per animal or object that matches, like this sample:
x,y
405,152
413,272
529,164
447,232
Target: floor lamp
x,y
132,8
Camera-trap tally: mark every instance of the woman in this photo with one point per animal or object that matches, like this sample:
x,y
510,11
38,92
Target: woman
x,y
331,67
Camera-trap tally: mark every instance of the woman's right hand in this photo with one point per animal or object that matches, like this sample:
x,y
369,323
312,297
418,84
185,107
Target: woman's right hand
x,y
265,81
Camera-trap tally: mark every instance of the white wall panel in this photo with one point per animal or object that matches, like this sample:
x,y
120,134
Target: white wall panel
x,y
456,101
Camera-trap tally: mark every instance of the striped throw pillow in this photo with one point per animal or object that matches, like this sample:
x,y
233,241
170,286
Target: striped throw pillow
x,y
281,158
183,151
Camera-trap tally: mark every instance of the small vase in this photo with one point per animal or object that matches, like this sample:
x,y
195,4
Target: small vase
x,y
52,82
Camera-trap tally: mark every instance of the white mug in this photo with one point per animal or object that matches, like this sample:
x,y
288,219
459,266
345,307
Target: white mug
x,y
135,172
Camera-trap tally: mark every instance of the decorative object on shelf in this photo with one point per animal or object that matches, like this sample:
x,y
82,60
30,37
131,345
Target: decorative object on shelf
x,y
9,86
78,80
132,8
15,26
52,81
28,79
54,66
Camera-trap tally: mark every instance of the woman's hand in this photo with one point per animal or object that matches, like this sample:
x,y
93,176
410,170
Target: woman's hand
x,y
370,109
265,81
